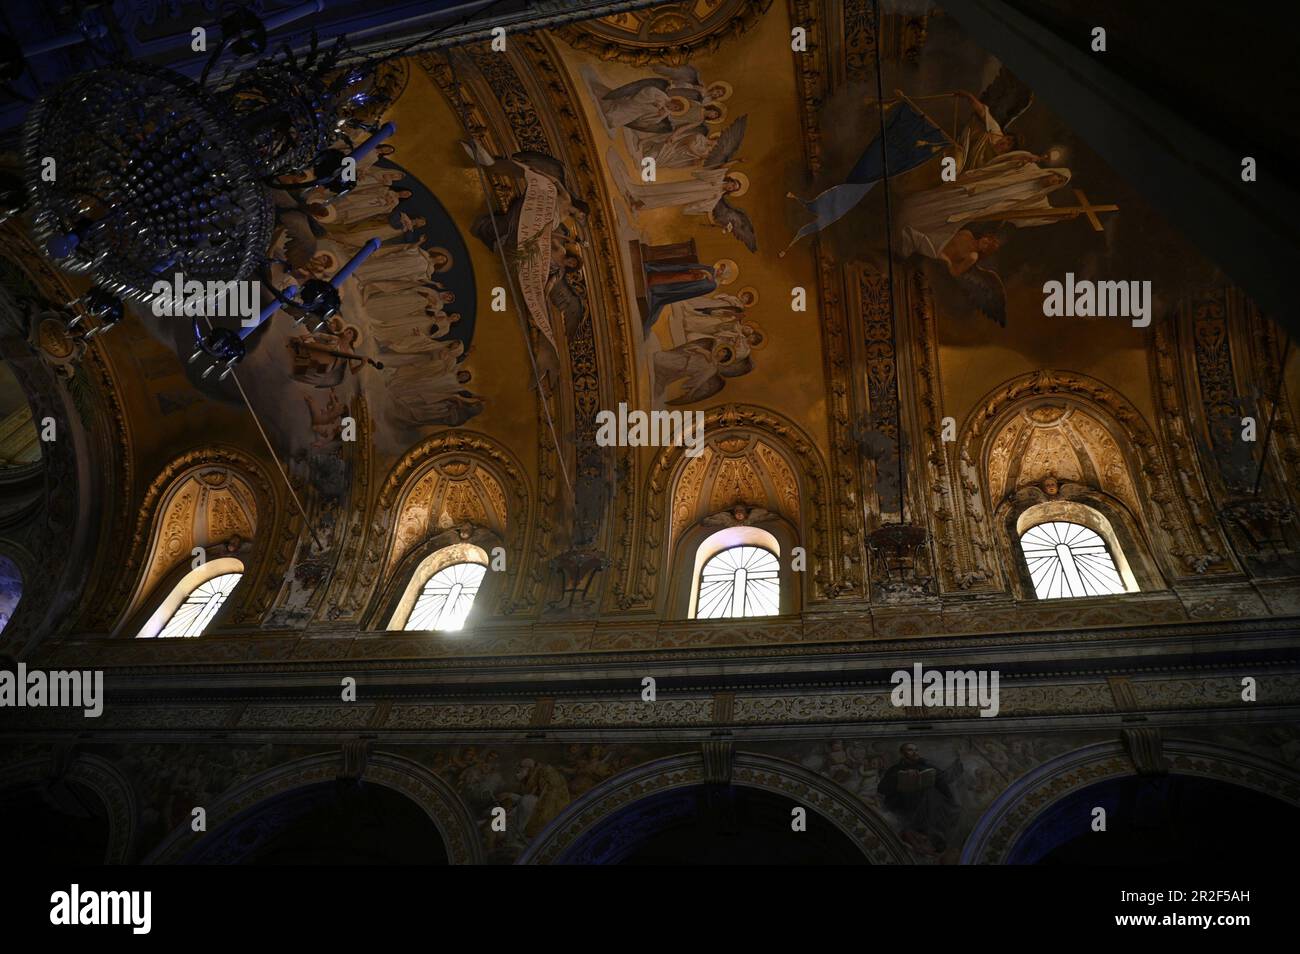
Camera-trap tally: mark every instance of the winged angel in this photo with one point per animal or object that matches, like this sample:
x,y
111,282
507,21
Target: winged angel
x,y
668,117
997,184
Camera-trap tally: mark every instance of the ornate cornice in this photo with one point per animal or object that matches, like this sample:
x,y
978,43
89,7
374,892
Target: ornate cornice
x,y
668,49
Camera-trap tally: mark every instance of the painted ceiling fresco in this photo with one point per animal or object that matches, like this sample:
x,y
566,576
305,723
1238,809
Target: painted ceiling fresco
x,y
675,208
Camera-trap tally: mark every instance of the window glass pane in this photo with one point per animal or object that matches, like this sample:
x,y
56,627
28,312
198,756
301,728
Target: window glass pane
x,y
739,581
1069,559
193,616
447,598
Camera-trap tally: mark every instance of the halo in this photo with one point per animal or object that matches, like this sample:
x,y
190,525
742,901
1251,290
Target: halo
x,y
722,112
361,335
748,296
677,105
727,90
763,340
742,179
729,266
451,262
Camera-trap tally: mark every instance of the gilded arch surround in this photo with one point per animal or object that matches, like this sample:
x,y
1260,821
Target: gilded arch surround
x,y
1190,547
526,556
643,554
994,836
123,590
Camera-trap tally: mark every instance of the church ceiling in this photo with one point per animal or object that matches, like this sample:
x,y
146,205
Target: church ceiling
x,y
679,208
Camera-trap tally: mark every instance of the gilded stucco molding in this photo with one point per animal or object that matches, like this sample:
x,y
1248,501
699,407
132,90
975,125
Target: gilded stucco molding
x,y
640,585
1197,548
120,592
684,39
523,589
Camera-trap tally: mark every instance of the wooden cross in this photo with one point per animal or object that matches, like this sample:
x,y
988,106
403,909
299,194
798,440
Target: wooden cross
x,y
1062,212
1091,210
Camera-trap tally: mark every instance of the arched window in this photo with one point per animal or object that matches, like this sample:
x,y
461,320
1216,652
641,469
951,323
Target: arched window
x,y
1069,559
447,598
737,574
440,591
11,589
740,581
195,600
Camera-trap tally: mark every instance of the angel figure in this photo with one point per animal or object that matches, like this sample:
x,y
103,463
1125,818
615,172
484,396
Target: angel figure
x,y
527,231
738,515
982,285
706,193
674,98
690,146
985,138
701,366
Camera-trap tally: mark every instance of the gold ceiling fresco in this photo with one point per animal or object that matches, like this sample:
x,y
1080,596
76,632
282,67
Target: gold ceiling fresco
x,y
675,208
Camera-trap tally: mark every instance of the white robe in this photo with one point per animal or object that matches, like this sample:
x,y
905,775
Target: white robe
x,y
360,236
649,104
407,263
928,220
360,204
696,195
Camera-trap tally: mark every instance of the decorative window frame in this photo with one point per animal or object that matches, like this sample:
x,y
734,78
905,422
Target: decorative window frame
x,y
726,539
426,569
693,549
1094,509
184,583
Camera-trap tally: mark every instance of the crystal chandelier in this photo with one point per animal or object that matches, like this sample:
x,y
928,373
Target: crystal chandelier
x,y
137,173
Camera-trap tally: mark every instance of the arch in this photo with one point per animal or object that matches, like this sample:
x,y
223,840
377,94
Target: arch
x,y
878,842
11,589
727,539
437,798
104,779
210,497
993,838
454,487
426,569
1108,458
54,533
754,458
180,592
1071,512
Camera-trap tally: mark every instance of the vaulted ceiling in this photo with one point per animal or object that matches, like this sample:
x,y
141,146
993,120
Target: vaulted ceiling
x,y
677,293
